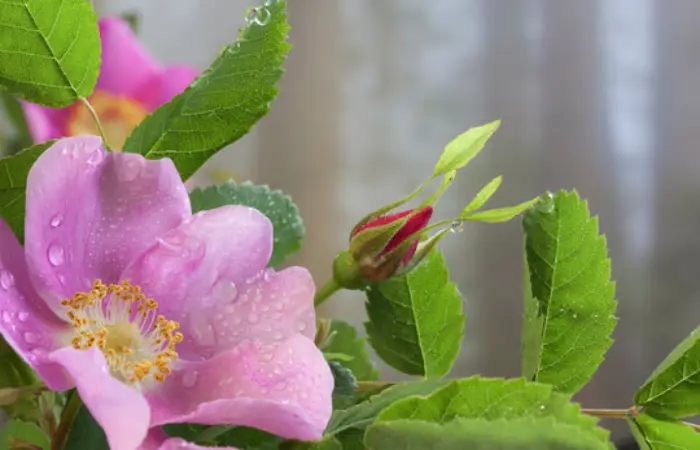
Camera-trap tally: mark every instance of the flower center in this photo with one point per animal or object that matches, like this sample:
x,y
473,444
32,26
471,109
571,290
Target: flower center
x,y
121,321
119,116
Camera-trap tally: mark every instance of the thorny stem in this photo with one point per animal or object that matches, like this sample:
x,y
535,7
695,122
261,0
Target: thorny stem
x,y
67,418
328,289
97,121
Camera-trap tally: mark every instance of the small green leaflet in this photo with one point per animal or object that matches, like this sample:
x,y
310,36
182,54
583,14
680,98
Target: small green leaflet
x,y
672,390
49,50
464,148
570,305
659,434
85,432
482,196
526,433
223,103
14,432
416,320
492,399
13,183
221,435
277,206
344,386
363,414
500,214
15,114
345,341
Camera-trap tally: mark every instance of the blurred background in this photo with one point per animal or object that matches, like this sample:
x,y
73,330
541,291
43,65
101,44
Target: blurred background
x,y
601,96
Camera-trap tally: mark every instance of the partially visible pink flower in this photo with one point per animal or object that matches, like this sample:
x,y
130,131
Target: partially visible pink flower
x,y
130,86
156,315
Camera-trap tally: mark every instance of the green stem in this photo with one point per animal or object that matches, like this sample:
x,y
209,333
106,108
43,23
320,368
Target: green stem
x,y
93,113
67,418
608,413
328,289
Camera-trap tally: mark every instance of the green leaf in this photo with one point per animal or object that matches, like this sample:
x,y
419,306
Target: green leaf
x,y
327,443
85,432
416,320
223,103
570,280
15,431
363,414
500,214
482,196
659,434
672,389
345,341
13,183
344,386
15,114
246,438
492,399
49,50
278,207
464,148
478,434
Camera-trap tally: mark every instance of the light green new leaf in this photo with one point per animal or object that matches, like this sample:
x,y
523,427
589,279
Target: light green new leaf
x,y
13,184
223,103
277,206
464,148
482,196
15,432
345,341
363,414
492,399
500,214
416,320
49,50
344,386
672,390
659,434
570,283
477,434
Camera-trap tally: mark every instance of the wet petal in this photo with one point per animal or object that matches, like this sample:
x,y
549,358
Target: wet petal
x,y
162,87
283,388
26,323
121,410
158,440
89,213
194,272
126,64
44,123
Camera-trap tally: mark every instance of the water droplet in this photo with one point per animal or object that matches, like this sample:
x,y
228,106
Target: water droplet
x,y
253,318
6,317
301,326
226,291
56,255
546,203
189,378
258,16
7,280
270,2
56,220
574,315
23,316
201,329
542,407
457,226
30,338
96,158
277,336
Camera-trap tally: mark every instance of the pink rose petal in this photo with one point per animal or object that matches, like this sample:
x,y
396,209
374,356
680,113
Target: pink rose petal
x,y
44,123
162,87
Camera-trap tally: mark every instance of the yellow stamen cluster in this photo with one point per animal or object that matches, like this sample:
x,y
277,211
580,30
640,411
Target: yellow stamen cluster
x,y
123,322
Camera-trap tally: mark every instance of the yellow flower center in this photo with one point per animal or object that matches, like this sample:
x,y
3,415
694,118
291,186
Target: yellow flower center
x,y
122,322
118,115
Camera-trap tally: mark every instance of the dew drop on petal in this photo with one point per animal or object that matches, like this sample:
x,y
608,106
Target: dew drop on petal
x,y
457,226
277,336
56,220
56,255
301,326
6,317
189,378
226,291
7,280
23,316
29,337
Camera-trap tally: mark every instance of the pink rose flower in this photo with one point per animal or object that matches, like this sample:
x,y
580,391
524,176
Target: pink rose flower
x,y
156,315
130,86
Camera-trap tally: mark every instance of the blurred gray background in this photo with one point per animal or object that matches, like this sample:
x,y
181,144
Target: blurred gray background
x,y
600,95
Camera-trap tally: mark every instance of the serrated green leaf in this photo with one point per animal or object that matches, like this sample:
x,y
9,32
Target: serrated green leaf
x,y
244,438
500,214
49,50
570,280
13,184
345,341
477,434
277,206
344,385
672,389
416,320
223,103
482,196
327,443
14,431
464,148
492,399
363,414
660,434
352,439
85,433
